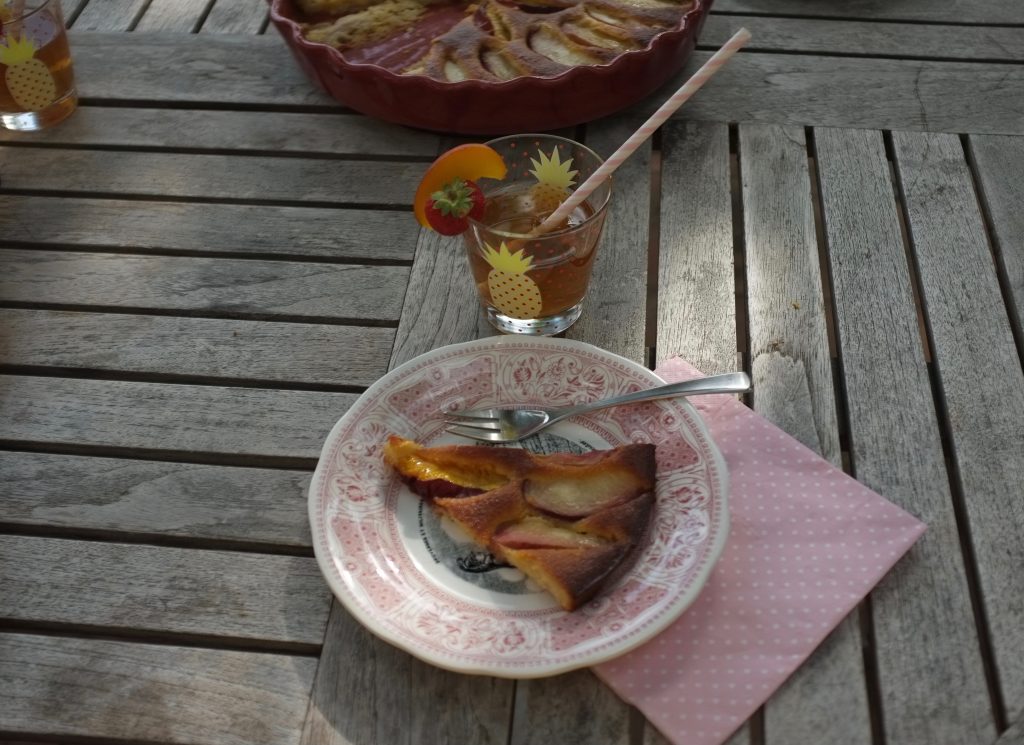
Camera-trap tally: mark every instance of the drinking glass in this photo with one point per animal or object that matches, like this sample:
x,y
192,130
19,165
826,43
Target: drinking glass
x,y
37,83
535,284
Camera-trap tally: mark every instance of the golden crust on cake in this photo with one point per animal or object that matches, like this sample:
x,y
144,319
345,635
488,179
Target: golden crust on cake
x,y
368,20
565,520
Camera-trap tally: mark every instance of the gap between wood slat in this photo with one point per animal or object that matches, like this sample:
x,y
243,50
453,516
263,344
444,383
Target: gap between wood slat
x,y
915,281
160,103
185,313
154,539
12,737
203,16
88,248
744,358
653,252
1002,278
131,197
752,49
956,487
200,254
85,631
233,152
872,680
284,462
69,20
814,17
86,373
138,15
826,285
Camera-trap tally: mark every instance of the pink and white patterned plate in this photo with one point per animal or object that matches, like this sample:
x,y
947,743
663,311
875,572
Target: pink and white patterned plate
x,y
417,582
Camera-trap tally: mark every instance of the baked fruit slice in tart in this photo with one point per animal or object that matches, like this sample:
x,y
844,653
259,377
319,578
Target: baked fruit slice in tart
x,y
566,521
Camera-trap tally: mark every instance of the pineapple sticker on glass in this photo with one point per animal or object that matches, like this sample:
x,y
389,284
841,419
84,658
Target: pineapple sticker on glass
x,y
532,283
37,86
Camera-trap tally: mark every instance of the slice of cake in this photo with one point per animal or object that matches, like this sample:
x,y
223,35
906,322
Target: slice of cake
x,y
566,521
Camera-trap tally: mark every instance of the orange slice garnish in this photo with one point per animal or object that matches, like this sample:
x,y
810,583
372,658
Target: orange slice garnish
x,y
470,162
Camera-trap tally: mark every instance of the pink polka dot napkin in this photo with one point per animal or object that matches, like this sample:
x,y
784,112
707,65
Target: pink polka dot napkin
x,y
806,544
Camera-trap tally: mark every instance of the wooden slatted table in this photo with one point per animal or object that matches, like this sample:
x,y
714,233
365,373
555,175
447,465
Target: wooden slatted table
x,y
204,267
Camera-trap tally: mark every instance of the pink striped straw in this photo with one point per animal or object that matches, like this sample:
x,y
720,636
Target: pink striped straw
x,y
690,87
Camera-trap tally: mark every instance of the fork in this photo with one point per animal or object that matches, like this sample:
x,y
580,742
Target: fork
x,y
509,425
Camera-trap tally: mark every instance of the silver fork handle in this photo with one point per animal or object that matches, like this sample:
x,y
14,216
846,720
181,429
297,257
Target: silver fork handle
x,y
736,382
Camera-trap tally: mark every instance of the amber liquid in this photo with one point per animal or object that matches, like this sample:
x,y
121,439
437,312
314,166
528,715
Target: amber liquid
x,y
562,258
45,29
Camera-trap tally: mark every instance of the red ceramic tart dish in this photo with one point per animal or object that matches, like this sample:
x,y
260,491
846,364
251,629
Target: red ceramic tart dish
x,y
532,102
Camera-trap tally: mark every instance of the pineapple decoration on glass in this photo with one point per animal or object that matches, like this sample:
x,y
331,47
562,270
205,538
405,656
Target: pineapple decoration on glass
x,y
37,87
512,292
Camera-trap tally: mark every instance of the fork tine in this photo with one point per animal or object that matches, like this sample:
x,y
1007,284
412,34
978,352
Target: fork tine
x,y
478,434
484,425
470,417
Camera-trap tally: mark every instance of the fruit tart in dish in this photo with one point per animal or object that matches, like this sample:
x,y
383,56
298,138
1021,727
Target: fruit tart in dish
x,y
491,40
566,521
492,66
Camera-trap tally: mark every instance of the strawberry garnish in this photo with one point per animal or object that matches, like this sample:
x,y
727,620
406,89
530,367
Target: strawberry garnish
x,y
449,208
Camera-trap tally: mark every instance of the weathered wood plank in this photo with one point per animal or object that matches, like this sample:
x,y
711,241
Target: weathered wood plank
x,y
825,700
176,418
180,500
946,11
106,15
924,625
160,589
574,707
868,38
329,133
361,676
826,697
741,736
763,87
183,16
71,8
441,305
151,693
212,68
295,289
615,311
871,93
367,691
970,334
235,17
1000,162
210,176
786,305
196,347
696,285
213,228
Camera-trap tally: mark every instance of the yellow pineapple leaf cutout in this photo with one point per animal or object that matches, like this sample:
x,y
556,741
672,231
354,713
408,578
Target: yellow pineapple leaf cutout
x,y
512,292
28,80
553,180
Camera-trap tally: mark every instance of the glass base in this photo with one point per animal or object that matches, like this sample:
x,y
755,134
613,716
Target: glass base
x,y
547,326
32,121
